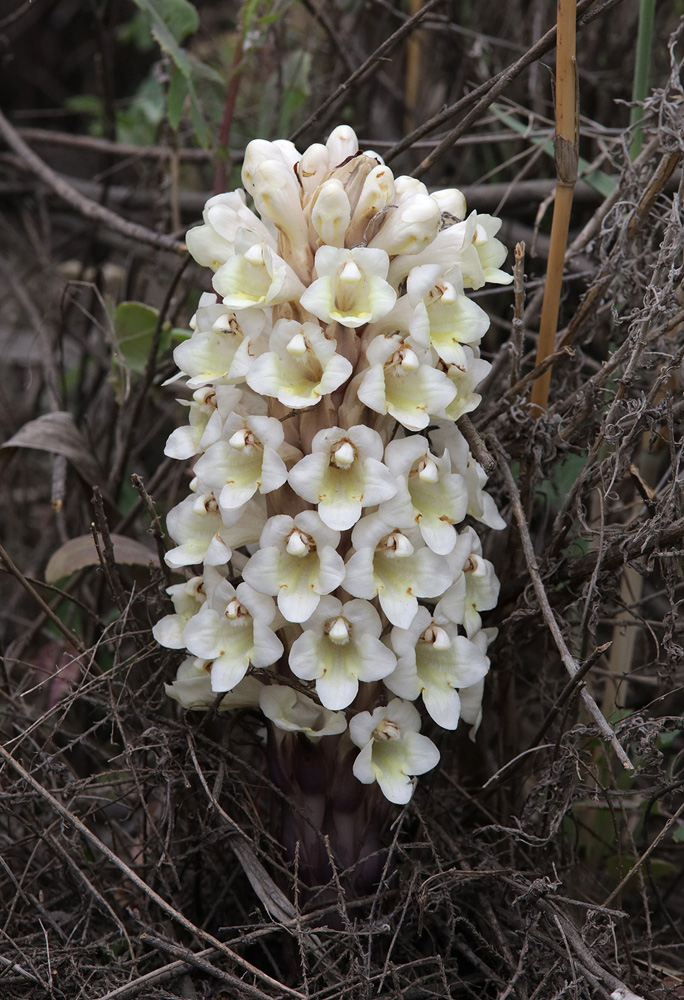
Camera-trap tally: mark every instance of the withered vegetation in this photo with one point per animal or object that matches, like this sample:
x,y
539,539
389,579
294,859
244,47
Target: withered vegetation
x,y
543,860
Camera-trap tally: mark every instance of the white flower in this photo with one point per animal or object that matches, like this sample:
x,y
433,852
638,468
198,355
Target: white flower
x,y
468,247
244,463
392,749
443,316
452,203
471,697
256,277
229,400
341,144
222,348
224,215
184,442
205,534
276,197
351,287
297,561
331,212
300,367
475,588
491,253
408,228
402,382
312,168
260,151
481,505
343,474
432,496
196,525
435,661
232,630
408,187
187,599
192,688
374,197
466,379
293,712
339,647
446,250
394,565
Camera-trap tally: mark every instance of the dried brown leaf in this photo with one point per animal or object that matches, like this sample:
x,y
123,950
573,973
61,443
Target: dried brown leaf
x,y
55,432
80,552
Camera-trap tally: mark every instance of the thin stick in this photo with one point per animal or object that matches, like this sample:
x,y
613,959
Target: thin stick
x,y
140,884
372,62
568,660
193,959
518,335
481,97
516,389
492,90
156,529
647,853
126,434
47,610
170,971
84,205
476,444
567,127
105,551
45,136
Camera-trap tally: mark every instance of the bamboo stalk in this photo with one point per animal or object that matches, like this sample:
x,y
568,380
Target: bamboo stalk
x,y
565,143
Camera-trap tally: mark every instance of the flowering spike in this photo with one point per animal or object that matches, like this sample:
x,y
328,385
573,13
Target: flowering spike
x,y
327,370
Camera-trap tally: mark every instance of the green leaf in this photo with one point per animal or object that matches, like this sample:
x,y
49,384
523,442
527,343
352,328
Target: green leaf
x,y
134,327
200,71
137,32
171,21
599,180
249,12
202,131
138,123
175,98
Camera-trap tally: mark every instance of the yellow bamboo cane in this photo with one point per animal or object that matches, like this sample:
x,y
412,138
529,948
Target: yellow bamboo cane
x,y
565,142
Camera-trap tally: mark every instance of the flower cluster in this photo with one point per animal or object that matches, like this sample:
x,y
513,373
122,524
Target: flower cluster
x,y
328,368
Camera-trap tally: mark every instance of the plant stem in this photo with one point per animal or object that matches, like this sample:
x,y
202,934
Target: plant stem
x,y
565,144
222,154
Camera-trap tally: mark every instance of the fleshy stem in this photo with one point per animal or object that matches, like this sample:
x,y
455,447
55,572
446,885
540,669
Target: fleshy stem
x,y
567,108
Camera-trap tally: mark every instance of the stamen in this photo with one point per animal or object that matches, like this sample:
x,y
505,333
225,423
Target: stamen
x,y
297,345
338,630
343,455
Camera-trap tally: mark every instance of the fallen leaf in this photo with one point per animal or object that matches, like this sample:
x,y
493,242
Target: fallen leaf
x,y
80,552
57,433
